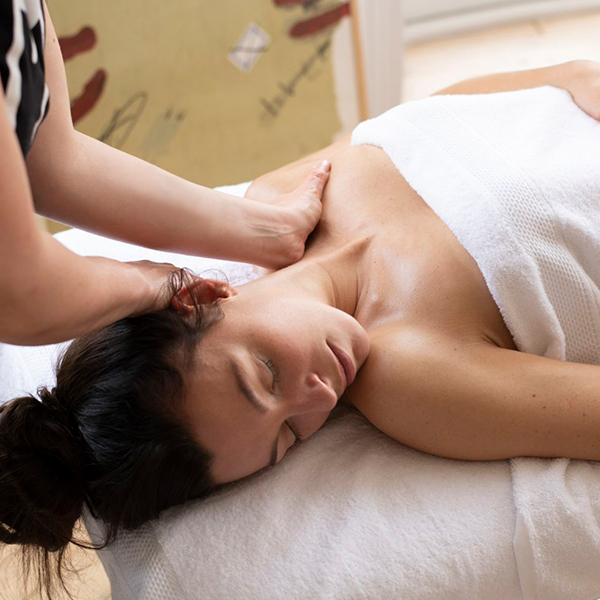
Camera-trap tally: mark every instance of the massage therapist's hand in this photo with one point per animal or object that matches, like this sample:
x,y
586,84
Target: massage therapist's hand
x,y
155,295
297,214
583,83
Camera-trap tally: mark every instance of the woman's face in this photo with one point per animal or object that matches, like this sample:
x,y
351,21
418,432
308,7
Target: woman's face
x,y
266,370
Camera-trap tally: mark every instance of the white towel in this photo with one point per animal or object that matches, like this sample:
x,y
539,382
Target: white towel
x,y
557,537
516,178
350,515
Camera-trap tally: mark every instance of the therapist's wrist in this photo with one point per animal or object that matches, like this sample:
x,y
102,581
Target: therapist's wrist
x,y
266,236
153,293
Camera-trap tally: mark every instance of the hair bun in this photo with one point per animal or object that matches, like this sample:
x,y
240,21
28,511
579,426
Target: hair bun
x,y
58,412
49,398
41,472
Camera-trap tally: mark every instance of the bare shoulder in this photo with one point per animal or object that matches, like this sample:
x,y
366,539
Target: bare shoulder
x,y
471,400
406,365
290,176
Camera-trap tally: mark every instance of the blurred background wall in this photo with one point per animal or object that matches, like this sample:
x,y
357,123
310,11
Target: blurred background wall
x,y
434,19
479,37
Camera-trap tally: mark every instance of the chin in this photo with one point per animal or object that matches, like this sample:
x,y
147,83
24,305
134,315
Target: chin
x,y
362,349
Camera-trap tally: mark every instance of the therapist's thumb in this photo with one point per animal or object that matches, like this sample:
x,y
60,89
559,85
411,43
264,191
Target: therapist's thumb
x,y
318,178
311,192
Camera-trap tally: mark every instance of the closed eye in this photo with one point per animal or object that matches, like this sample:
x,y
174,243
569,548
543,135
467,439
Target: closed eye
x,y
274,372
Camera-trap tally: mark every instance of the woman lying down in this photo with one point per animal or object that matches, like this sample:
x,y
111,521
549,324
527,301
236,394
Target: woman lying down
x,y
473,349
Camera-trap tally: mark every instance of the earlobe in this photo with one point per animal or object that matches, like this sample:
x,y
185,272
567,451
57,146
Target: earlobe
x,y
202,291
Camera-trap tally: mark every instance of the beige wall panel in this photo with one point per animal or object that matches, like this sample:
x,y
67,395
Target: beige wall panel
x,y
157,81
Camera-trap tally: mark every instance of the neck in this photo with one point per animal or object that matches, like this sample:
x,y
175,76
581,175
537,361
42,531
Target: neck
x,y
334,276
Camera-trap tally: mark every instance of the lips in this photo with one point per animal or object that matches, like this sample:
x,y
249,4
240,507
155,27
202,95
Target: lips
x,y
347,366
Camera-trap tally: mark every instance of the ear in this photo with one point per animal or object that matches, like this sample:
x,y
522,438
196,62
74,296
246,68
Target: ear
x,y
202,291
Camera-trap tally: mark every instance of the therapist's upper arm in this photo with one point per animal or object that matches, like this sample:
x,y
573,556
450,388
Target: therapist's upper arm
x,y
20,237
475,401
52,147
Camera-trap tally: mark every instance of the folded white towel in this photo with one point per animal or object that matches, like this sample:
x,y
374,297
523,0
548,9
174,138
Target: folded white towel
x,y
516,177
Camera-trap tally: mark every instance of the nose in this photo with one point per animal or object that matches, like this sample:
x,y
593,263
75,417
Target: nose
x,y
317,396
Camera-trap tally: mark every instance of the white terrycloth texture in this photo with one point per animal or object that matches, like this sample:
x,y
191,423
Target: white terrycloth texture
x,y
516,177
350,515
557,538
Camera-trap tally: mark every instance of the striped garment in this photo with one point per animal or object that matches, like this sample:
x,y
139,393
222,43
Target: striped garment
x,y
22,37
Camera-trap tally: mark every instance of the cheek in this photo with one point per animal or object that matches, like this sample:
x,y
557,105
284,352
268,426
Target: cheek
x,y
297,319
237,458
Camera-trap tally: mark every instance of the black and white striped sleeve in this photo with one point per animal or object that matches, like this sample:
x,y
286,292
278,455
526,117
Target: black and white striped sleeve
x,y
22,38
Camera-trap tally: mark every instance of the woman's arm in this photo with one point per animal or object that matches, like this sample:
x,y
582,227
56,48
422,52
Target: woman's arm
x,y
581,78
83,182
558,75
477,401
47,293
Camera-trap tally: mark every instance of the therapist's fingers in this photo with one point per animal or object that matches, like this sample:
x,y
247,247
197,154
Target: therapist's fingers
x,y
157,276
314,186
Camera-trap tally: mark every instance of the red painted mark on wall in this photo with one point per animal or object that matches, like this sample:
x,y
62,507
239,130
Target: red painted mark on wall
x,y
320,22
71,46
92,91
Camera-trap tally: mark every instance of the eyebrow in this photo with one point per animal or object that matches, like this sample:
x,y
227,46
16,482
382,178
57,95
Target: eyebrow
x,y
256,402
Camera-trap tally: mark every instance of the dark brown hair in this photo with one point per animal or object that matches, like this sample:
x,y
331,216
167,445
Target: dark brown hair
x,y
109,436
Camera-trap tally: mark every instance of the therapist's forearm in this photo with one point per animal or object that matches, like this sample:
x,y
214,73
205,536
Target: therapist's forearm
x,y
104,190
556,75
50,294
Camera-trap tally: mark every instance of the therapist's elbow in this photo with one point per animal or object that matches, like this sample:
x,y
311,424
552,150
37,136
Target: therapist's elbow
x,y
23,320
16,328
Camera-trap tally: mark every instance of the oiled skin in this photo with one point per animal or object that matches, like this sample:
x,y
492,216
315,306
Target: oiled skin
x,y
443,374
